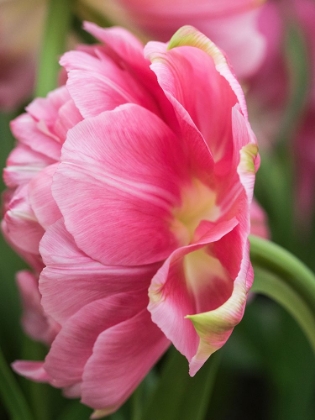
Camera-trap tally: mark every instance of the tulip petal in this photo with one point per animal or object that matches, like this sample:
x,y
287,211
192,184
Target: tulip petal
x,y
31,370
98,84
23,164
122,356
126,50
208,104
215,327
71,279
192,280
40,197
73,346
128,186
21,229
36,128
34,320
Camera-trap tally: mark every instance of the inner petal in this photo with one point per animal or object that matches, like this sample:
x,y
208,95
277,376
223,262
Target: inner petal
x,y
198,203
207,280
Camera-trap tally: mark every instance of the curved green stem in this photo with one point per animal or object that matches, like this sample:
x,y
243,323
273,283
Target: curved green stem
x,y
54,41
12,395
273,287
282,277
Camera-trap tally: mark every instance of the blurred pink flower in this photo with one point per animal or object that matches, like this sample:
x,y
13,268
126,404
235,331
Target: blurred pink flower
x,y
138,184
231,24
259,221
21,27
269,91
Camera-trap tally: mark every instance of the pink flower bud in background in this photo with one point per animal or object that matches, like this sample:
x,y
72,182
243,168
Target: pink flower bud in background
x,y
231,24
269,90
21,27
132,186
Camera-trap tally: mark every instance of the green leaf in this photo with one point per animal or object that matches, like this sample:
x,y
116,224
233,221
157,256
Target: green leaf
x,y
75,411
282,277
11,394
178,396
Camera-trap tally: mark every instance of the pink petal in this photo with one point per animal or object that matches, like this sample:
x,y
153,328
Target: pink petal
x,y
192,280
215,327
23,164
40,197
68,117
74,344
29,132
71,279
128,186
127,51
122,356
97,83
21,228
31,370
47,109
34,320
209,103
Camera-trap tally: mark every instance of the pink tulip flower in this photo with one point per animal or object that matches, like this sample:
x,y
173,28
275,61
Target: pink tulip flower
x,y
269,91
231,24
132,186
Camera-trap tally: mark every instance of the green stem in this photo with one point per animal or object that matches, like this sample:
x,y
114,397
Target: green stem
x,y
282,277
273,287
136,403
12,395
56,29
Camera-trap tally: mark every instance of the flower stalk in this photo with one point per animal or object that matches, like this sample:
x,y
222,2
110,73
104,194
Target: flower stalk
x,y
54,40
282,277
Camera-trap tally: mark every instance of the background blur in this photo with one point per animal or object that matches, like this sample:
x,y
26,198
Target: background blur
x,y
267,369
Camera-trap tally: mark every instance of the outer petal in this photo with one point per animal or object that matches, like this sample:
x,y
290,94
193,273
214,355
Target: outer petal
x,y
125,49
128,186
73,346
119,361
192,280
98,83
40,197
30,133
215,327
71,279
31,370
23,164
21,228
189,36
47,109
209,103
35,322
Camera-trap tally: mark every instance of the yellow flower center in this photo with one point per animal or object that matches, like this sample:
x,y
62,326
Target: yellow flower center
x,y
197,204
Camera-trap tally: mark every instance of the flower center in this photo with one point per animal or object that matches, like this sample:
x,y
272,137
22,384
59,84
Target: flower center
x,y
197,204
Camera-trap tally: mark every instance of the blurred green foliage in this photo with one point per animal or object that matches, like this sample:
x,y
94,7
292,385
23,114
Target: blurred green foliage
x,y
266,371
